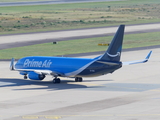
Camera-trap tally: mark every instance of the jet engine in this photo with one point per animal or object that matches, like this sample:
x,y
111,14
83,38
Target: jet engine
x,y
35,76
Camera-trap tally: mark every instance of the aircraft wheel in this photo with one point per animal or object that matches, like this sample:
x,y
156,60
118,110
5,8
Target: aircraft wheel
x,y
78,79
56,80
25,76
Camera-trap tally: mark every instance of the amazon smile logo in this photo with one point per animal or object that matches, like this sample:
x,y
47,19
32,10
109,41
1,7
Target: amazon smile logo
x,y
110,55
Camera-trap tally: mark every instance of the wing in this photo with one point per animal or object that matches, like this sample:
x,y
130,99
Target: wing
x,y
38,71
138,61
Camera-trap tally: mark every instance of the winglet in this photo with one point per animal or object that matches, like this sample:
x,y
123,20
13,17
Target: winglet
x,y
138,61
148,56
12,64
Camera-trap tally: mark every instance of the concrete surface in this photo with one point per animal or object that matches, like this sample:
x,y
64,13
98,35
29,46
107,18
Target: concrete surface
x,y
19,40
130,93
75,33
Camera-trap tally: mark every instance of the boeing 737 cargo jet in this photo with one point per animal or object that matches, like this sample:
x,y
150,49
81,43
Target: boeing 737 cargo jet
x,y
37,67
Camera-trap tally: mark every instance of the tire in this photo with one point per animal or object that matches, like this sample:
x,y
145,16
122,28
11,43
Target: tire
x,y
25,77
56,80
78,79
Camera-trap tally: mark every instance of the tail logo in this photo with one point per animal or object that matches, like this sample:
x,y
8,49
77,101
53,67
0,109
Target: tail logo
x,y
118,54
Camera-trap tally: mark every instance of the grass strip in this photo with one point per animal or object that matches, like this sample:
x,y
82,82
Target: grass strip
x,y
80,46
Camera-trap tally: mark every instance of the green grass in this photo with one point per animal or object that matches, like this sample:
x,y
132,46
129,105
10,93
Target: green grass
x,y
21,19
80,46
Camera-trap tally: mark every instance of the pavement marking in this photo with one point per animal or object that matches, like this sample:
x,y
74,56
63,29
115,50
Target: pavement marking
x,y
53,117
56,117
30,117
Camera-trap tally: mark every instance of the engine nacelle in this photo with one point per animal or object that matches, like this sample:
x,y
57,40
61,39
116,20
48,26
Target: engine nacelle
x,y
35,76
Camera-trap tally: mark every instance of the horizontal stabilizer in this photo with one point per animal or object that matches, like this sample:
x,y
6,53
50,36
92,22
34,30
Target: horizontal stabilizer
x,y
108,63
138,61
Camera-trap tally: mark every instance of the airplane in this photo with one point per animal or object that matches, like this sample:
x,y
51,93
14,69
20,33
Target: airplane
x,y
37,67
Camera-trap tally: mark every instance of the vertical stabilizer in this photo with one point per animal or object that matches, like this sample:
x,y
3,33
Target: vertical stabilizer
x,y
113,52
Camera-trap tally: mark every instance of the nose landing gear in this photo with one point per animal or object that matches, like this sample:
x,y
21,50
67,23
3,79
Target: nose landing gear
x,y
25,77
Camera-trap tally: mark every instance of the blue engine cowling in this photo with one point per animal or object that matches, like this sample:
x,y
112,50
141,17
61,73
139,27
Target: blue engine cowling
x,y
35,76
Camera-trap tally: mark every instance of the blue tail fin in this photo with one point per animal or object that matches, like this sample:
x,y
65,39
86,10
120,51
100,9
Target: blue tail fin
x,y
113,52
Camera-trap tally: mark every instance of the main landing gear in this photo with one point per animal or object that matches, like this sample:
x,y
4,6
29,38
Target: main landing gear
x,y
78,79
56,80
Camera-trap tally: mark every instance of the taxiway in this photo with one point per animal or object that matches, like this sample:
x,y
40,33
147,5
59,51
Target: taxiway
x,y
130,93
18,40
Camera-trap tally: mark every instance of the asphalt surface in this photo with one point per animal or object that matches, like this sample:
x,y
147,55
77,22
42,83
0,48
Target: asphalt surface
x,y
3,4
130,93
19,40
